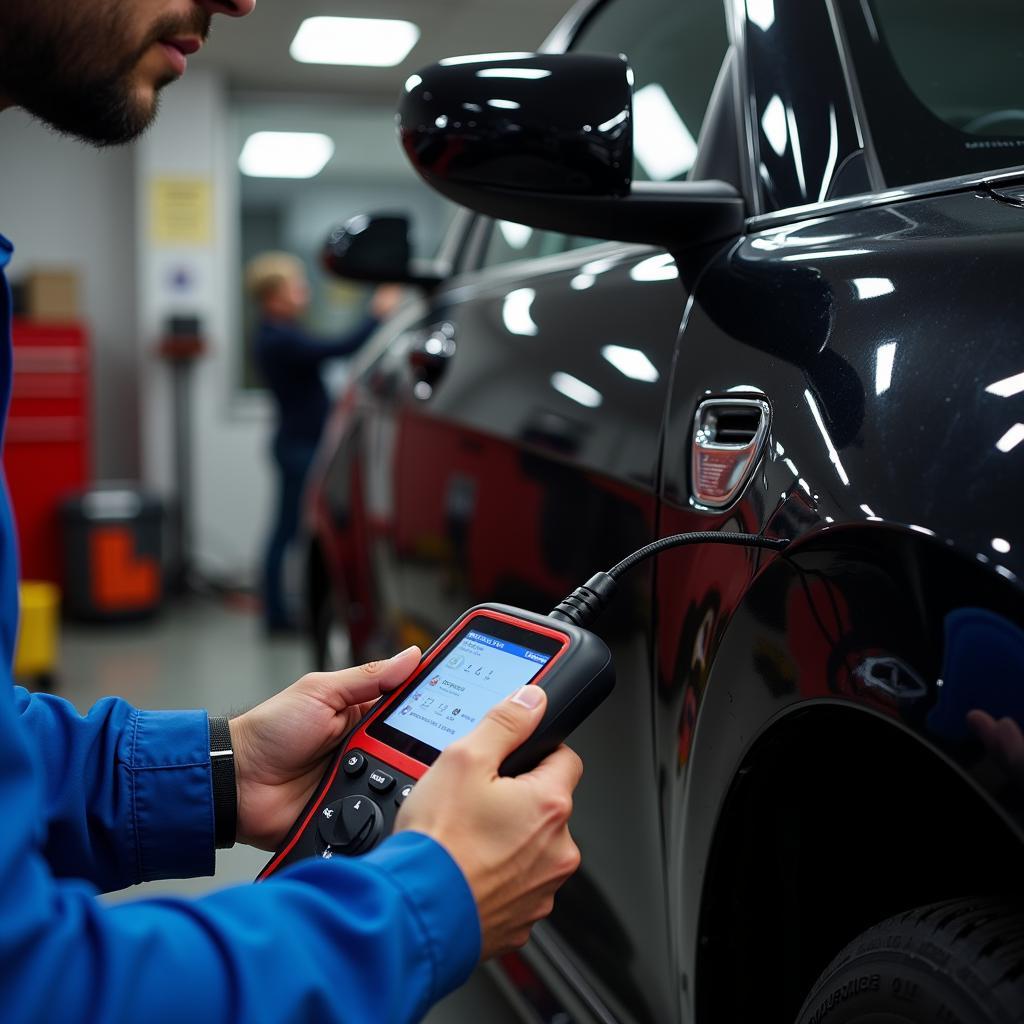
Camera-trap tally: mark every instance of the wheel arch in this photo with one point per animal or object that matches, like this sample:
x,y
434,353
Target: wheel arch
x,y
772,886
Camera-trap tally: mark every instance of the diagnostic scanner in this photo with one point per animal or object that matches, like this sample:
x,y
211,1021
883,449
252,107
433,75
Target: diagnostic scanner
x,y
482,658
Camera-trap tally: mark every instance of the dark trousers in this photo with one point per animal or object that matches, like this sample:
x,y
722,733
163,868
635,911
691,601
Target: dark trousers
x,y
293,459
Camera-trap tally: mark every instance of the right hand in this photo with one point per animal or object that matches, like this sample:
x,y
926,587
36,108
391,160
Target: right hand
x,y
510,836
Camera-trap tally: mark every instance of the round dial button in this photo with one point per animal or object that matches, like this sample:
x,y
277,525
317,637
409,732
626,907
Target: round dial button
x,y
350,825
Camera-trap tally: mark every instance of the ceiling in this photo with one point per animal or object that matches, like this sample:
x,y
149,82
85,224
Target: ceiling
x,y
253,53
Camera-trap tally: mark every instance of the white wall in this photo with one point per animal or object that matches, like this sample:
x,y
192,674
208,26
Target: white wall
x,y
231,474
66,204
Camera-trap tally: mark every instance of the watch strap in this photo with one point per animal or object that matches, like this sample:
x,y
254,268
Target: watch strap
x,y
225,793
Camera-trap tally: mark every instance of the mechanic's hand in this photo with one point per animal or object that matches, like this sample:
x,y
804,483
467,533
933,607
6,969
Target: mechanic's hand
x,y
282,746
510,836
386,300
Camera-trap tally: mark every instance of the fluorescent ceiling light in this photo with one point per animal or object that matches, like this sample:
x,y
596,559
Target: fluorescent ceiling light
x,y
516,312
761,13
872,287
1011,438
369,42
517,235
1007,388
884,360
285,154
773,124
572,387
663,144
655,268
528,73
631,362
478,58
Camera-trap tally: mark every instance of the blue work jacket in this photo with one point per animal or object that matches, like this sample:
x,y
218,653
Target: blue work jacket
x,y
120,796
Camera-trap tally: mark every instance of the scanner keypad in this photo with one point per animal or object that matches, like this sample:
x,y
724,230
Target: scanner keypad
x,y
359,809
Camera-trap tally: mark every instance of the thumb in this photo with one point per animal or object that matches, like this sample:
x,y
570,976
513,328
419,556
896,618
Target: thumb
x,y
364,683
508,725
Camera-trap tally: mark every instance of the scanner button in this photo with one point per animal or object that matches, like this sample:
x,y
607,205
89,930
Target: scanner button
x,y
402,794
357,817
381,781
354,762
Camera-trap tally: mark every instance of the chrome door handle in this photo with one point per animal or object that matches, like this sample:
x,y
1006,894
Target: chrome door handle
x,y
429,358
728,438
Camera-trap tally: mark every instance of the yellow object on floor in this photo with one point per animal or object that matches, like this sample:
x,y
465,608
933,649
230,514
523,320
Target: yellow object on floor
x,y
38,634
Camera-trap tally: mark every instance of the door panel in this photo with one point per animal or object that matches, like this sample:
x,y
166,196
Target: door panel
x,y
530,464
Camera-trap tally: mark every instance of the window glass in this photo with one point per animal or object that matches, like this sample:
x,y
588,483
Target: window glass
x,y
676,49
942,83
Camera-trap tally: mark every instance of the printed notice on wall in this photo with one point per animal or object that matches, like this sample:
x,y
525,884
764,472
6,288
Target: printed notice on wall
x,y
181,211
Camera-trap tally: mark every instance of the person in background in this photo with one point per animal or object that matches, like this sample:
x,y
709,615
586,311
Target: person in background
x,y
290,359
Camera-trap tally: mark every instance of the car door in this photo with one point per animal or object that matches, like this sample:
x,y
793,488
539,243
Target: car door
x,y
517,450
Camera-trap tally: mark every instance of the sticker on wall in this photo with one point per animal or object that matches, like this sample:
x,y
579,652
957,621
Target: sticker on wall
x,y
181,211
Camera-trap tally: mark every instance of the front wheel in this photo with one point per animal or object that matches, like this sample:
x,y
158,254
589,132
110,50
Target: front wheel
x,y
959,962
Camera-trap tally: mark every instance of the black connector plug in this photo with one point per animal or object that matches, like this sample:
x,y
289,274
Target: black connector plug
x,y
585,603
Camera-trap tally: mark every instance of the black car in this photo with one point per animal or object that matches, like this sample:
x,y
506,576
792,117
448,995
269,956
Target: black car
x,y
805,799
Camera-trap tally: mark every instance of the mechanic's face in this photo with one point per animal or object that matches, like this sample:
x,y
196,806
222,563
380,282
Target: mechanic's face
x,y
94,68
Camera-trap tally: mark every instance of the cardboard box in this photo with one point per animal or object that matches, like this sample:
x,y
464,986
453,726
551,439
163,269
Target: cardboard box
x,y
51,296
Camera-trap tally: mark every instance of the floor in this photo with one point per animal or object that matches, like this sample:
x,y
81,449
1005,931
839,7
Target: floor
x,y
202,653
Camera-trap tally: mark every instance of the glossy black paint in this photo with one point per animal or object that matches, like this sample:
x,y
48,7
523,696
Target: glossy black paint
x,y
797,746
556,123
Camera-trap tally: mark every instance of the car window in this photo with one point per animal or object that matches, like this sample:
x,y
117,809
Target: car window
x,y
676,49
941,82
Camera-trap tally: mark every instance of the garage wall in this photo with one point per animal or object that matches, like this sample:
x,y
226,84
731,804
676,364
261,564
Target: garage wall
x,y
63,203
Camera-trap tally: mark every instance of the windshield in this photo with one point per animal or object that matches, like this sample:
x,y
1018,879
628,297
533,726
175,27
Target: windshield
x,y
942,83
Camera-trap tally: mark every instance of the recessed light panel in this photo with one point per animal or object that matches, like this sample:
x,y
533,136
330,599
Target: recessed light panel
x,y
368,42
285,154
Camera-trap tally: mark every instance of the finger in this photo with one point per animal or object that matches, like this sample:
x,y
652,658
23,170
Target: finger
x,y
365,683
508,725
561,769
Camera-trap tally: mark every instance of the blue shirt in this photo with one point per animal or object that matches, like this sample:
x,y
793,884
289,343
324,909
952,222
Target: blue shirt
x,y
102,801
289,360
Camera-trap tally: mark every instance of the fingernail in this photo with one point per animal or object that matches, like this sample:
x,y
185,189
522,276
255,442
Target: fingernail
x,y
402,654
529,696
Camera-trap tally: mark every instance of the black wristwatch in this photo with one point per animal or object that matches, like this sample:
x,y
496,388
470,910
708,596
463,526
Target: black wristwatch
x,y
225,793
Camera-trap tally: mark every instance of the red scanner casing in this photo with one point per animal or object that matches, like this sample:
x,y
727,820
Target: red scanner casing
x,y
577,678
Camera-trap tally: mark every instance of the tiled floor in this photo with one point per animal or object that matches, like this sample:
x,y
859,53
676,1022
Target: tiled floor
x,y
203,654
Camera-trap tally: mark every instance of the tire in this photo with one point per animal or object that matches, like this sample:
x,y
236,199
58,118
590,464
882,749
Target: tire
x,y
956,962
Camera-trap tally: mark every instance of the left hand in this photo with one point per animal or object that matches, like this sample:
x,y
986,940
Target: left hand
x,y
282,746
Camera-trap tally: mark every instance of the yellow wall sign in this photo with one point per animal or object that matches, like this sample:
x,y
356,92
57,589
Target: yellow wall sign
x,y
181,211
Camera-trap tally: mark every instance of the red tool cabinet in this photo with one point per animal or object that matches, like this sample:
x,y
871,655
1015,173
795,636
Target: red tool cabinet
x,y
47,444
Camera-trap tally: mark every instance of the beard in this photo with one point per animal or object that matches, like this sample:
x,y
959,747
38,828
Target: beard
x,y
73,65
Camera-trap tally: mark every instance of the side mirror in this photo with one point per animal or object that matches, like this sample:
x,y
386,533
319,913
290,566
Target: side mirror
x,y
375,248
547,140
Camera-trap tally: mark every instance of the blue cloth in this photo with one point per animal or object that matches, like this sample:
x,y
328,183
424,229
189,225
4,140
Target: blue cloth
x,y
118,796
289,359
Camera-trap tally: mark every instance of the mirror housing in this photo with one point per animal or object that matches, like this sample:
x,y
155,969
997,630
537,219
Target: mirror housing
x,y
375,248
546,140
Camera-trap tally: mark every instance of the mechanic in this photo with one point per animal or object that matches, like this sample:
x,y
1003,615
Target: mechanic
x,y
121,795
289,359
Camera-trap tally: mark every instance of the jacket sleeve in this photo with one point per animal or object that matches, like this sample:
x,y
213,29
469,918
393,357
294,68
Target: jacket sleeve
x,y
371,940
300,348
124,795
